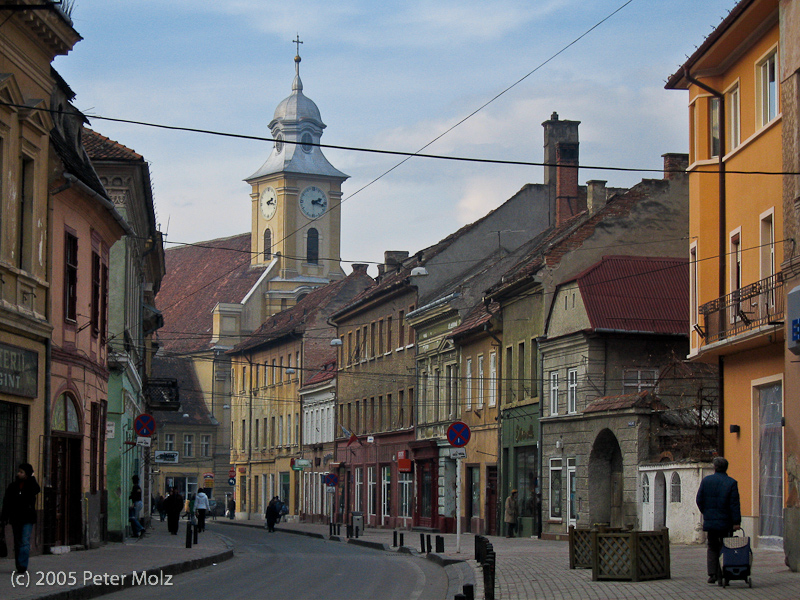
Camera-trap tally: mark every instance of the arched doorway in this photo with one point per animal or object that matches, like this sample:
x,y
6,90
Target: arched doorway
x,y
65,474
605,480
659,501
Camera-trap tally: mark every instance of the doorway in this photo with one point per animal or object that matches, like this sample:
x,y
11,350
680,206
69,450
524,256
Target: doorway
x,y
770,474
606,483
659,501
491,500
65,476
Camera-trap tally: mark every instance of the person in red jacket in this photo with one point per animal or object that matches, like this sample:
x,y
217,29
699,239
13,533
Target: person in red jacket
x,y
19,509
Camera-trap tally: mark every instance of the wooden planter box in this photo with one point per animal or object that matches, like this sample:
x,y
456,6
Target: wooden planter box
x,y
621,555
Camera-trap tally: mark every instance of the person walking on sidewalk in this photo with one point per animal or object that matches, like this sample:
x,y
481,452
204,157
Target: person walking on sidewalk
x,y
19,509
201,505
135,511
718,501
272,515
173,504
231,508
511,514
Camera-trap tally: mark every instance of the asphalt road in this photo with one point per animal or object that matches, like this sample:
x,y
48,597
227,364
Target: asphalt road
x,y
286,566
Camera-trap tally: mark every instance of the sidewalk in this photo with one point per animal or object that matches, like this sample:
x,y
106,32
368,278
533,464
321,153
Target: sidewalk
x,y
529,568
148,561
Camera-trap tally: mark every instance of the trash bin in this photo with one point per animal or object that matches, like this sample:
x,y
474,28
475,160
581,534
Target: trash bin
x,y
358,521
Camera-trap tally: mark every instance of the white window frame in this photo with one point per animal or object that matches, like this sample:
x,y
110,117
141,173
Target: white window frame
x,y
406,483
188,445
386,493
733,113
556,466
675,487
358,502
572,391
169,442
642,383
645,489
371,488
205,445
492,379
553,392
481,383
768,87
694,301
468,388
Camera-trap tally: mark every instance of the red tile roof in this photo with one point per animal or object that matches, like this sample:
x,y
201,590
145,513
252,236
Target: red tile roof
x,y
476,318
99,147
636,293
198,277
327,373
645,399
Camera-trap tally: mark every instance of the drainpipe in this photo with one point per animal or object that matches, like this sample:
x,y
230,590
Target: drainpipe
x,y
540,445
722,251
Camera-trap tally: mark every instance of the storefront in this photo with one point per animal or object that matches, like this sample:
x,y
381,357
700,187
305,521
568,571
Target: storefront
x,y
520,465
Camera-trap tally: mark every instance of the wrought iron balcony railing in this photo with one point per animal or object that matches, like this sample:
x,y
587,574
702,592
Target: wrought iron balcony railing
x,y
750,307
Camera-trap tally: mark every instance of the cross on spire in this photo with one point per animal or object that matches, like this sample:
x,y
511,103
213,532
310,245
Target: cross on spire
x,y
297,42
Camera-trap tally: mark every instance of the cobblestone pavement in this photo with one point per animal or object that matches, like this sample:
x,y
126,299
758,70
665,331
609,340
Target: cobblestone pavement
x,y
157,556
529,568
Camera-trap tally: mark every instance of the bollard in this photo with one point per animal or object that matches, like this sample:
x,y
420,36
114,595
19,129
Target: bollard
x,y
330,529
440,543
469,591
422,542
339,529
194,534
428,540
394,538
348,530
358,530
189,534
459,597
402,541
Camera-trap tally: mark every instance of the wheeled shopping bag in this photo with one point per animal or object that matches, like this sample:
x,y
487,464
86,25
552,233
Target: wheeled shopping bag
x,y
736,558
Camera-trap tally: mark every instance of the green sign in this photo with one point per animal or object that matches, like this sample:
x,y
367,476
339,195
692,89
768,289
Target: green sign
x,y
300,464
19,371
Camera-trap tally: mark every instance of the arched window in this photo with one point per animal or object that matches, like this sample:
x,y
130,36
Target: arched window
x,y
675,488
65,415
312,247
645,489
267,243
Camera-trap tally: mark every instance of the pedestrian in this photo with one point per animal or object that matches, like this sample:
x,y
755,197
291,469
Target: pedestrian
x,y
173,504
160,507
718,501
231,508
272,515
134,511
201,505
511,514
19,509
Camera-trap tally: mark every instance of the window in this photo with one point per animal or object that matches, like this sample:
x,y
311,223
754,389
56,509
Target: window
x,y
638,380
95,318
371,490
736,261
556,490
732,109
451,376
70,277
280,431
401,417
767,250
694,304
267,243
510,388
386,491
401,331
553,392
243,438
493,379
169,442
406,487
312,247
474,486
357,349
768,84
26,242
94,446
188,442
468,385
372,352
713,127
381,348
479,399
388,334
205,443
645,489
521,371
359,491
675,488
572,390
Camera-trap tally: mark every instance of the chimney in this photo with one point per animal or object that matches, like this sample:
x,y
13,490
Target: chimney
x,y
567,203
359,267
675,165
596,195
393,258
555,132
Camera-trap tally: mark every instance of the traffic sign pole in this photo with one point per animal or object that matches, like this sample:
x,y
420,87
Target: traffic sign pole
x,y
458,506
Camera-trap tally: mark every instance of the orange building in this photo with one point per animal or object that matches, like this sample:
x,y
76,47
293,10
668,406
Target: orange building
x,y
737,296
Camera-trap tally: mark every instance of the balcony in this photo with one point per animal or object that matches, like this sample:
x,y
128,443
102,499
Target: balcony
x,y
746,309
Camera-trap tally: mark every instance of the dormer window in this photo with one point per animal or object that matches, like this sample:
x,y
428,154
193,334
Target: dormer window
x,y
306,141
279,143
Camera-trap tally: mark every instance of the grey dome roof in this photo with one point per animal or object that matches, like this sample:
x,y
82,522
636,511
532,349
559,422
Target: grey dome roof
x,y
297,107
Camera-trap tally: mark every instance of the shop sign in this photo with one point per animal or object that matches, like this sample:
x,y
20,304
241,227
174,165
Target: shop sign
x,y
167,456
19,371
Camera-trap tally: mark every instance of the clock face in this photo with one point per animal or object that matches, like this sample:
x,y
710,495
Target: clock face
x,y
268,202
313,202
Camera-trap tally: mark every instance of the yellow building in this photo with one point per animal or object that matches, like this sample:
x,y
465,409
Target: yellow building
x,y
737,297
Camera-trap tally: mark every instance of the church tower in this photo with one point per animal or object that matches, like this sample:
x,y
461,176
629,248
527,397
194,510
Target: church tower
x,y
296,218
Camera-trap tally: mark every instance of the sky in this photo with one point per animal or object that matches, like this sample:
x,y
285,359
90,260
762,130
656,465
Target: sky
x,y
388,75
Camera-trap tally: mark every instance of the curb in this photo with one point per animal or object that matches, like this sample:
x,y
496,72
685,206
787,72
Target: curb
x,y
93,591
368,544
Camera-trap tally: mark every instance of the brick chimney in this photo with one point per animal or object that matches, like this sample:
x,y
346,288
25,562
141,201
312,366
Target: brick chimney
x,y
596,195
359,267
567,202
675,165
392,258
556,132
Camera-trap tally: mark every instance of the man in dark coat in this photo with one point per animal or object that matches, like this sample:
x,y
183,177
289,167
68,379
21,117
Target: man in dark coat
x,y
19,509
272,514
718,500
173,505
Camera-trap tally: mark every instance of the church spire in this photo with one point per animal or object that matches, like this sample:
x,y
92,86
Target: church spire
x,y
297,84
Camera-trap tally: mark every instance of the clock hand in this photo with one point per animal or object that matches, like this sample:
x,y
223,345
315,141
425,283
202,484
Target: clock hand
x,y
316,201
271,201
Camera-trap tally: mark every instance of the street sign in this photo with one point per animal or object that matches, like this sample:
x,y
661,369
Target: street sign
x,y
330,489
299,464
232,472
331,479
458,453
143,441
458,434
144,425
232,481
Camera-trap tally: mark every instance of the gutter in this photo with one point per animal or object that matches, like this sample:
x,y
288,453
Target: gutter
x,y
105,202
433,304
722,250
